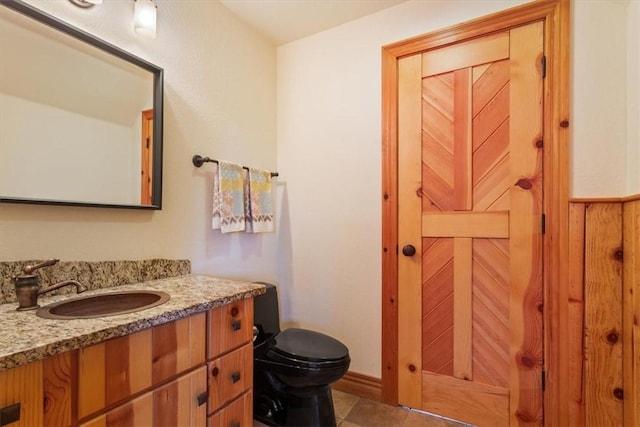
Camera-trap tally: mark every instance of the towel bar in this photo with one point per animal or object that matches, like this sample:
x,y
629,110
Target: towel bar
x,y
198,161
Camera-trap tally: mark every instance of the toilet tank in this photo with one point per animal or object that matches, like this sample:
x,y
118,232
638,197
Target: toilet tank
x,y
265,311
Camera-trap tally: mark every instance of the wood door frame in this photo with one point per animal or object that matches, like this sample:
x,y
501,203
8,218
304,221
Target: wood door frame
x,y
556,17
146,144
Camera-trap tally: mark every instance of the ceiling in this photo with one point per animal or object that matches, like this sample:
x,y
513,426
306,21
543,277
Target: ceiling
x,y
282,21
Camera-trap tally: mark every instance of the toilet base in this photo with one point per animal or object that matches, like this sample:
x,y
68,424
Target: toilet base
x,y
301,407
311,407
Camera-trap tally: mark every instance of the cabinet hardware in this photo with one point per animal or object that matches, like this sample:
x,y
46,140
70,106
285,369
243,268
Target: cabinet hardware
x,y
10,414
235,377
202,398
235,424
236,325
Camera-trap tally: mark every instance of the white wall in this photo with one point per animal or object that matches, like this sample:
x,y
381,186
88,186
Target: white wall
x,y
329,150
633,97
599,98
219,101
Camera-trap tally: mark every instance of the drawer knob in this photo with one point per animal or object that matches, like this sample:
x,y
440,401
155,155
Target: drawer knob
x,y
236,325
235,377
215,371
202,398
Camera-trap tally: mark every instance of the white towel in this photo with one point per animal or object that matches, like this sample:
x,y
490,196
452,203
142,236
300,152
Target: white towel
x,y
258,201
228,198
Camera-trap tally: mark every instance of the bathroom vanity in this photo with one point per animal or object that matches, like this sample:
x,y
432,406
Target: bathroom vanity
x,y
187,362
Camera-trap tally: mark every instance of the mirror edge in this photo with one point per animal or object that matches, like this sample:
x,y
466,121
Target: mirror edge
x,y
158,98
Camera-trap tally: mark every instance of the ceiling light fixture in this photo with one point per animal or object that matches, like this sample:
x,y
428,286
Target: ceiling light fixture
x,y
144,17
85,4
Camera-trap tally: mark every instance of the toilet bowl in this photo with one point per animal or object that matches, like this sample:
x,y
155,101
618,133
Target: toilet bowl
x,y
293,369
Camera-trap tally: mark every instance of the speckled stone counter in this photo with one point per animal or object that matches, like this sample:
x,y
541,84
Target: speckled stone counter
x,y
26,337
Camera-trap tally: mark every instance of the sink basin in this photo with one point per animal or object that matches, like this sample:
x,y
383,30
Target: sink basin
x,y
103,305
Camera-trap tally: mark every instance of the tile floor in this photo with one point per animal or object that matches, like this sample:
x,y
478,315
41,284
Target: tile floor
x,y
354,411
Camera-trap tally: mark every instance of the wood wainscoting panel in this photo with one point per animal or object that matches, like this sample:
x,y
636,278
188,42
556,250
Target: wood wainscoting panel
x,y
631,312
603,314
576,313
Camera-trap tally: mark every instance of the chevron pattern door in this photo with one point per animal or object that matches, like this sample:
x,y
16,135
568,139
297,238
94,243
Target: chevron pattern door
x,y
470,205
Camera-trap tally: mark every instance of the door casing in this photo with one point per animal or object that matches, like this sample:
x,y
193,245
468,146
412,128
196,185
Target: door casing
x,y
556,17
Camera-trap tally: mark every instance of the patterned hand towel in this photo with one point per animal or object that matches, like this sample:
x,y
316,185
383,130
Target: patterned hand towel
x,y
228,198
258,203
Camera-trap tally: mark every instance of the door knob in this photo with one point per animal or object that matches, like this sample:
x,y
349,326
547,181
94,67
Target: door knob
x,y
409,250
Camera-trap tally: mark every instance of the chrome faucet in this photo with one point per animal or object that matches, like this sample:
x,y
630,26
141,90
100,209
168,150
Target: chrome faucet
x,y
28,285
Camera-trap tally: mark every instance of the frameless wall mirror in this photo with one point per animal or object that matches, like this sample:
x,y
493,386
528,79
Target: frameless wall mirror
x,y
80,119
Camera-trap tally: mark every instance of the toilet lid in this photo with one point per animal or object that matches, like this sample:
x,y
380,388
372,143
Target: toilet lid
x,y
309,345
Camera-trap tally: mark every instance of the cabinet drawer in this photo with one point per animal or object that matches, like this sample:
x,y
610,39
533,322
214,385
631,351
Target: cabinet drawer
x,y
238,413
230,326
137,412
230,376
174,404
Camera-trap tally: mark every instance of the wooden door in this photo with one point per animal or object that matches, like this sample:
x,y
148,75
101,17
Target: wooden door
x,y
146,167
470,205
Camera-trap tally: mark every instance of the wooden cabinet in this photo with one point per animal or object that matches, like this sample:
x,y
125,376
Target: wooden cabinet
x,y
196,371
230,365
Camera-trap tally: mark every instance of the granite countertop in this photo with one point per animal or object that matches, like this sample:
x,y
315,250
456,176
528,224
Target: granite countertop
x,y
26,337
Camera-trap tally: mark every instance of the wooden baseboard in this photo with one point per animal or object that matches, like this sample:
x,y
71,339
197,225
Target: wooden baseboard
x,y
632,198
360,385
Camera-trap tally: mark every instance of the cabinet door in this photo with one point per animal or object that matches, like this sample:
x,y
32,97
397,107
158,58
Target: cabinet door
x,y
230,376
23,385
177,346
113,370
239,413
58,373
230,326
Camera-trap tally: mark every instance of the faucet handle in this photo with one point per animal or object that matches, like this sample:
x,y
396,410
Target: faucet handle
x,y
28,269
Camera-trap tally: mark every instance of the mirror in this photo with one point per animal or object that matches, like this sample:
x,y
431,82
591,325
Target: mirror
x,y
80,119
